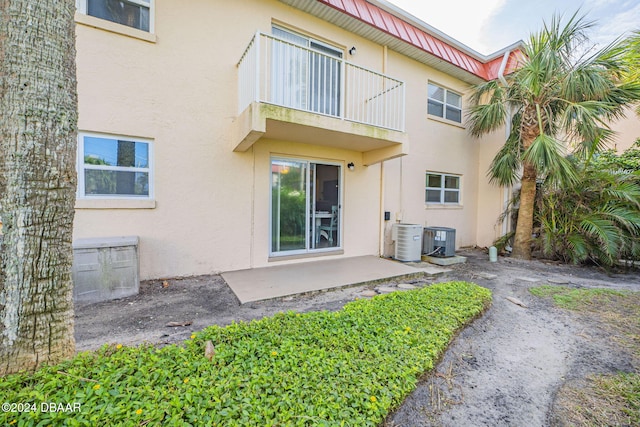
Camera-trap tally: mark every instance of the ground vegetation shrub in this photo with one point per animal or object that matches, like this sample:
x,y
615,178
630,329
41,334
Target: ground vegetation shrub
x,y
350,367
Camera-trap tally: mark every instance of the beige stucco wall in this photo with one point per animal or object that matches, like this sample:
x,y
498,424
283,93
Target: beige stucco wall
x,y
211,210
211,206
492,200
440,146
627,130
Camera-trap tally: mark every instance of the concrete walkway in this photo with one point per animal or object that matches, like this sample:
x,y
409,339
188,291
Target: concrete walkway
x,y
282,280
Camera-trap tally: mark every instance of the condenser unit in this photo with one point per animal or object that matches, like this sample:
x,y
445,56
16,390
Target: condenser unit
x,y
439,241
408,238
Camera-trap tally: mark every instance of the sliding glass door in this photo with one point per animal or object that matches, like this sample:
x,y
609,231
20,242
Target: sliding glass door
x,y
324,79
305,73
289,189
305,206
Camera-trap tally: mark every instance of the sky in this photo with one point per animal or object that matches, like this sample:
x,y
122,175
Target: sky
x,y
487,26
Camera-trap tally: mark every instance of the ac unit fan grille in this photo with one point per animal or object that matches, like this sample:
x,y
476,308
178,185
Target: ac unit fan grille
x,y
439,241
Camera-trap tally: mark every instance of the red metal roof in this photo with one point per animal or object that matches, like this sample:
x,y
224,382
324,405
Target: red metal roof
x,y
409,33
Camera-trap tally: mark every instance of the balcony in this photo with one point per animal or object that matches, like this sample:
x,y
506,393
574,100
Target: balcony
x,y
311,95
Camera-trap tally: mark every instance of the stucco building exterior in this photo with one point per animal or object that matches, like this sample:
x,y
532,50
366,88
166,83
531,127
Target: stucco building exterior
x,y
234,135
627,130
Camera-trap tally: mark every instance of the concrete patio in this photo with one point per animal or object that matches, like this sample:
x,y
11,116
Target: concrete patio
x,y
282,280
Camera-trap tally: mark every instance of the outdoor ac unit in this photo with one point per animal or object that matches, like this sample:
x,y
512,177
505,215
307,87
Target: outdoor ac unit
x,y
439,241
408,238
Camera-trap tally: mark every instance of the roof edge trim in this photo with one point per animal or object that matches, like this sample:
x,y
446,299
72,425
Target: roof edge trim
x,y
413,20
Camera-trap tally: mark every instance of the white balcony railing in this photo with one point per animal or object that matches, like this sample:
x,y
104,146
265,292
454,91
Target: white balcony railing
x,y
279,72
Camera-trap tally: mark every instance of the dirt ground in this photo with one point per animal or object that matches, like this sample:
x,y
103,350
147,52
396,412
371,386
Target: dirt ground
x,y
505,369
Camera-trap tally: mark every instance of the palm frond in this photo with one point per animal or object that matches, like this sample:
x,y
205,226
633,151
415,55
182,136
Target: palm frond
x,y
584,118
549,239
488,110
624,191
505,166
552,50
547,154
597,218
485,118
623,94
503,241
627,218
566,38
579,248
590,138
487,92
604,232
605,78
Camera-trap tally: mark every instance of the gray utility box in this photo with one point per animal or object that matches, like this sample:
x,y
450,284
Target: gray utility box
x,y
439,241
105,268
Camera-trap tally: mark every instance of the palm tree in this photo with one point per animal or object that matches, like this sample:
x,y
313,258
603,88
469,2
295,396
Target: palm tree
x,y
633,53
37,181
597,219
560,95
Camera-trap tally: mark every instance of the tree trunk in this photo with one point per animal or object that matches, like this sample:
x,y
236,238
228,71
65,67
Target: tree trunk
x,y
38,102
524,227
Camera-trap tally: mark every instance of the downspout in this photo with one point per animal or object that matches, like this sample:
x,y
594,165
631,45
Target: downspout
x,y
252,245
382,229
503,66
383,225
507,191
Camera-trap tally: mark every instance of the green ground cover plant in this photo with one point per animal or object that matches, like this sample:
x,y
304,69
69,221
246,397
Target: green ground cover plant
x,y
350,367
603,399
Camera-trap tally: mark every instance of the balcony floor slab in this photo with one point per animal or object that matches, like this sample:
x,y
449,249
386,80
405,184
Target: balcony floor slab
x,y
261,120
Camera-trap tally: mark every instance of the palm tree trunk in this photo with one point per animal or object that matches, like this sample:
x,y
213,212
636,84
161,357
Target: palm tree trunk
x,y
524,227
530,130
37,181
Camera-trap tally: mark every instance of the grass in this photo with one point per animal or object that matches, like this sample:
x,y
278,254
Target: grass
x,y
603,399
600,400
350,367
577,299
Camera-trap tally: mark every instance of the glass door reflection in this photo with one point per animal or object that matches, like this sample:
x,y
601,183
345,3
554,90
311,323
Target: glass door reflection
x,y
305,206
289,205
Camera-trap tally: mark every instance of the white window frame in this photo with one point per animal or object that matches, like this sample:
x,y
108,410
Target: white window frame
x,y
81,7
81,167
442,189
444,103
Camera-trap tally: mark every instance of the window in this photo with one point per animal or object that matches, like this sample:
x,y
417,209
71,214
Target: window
x,y
114,167
442,189
132,13
444,103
